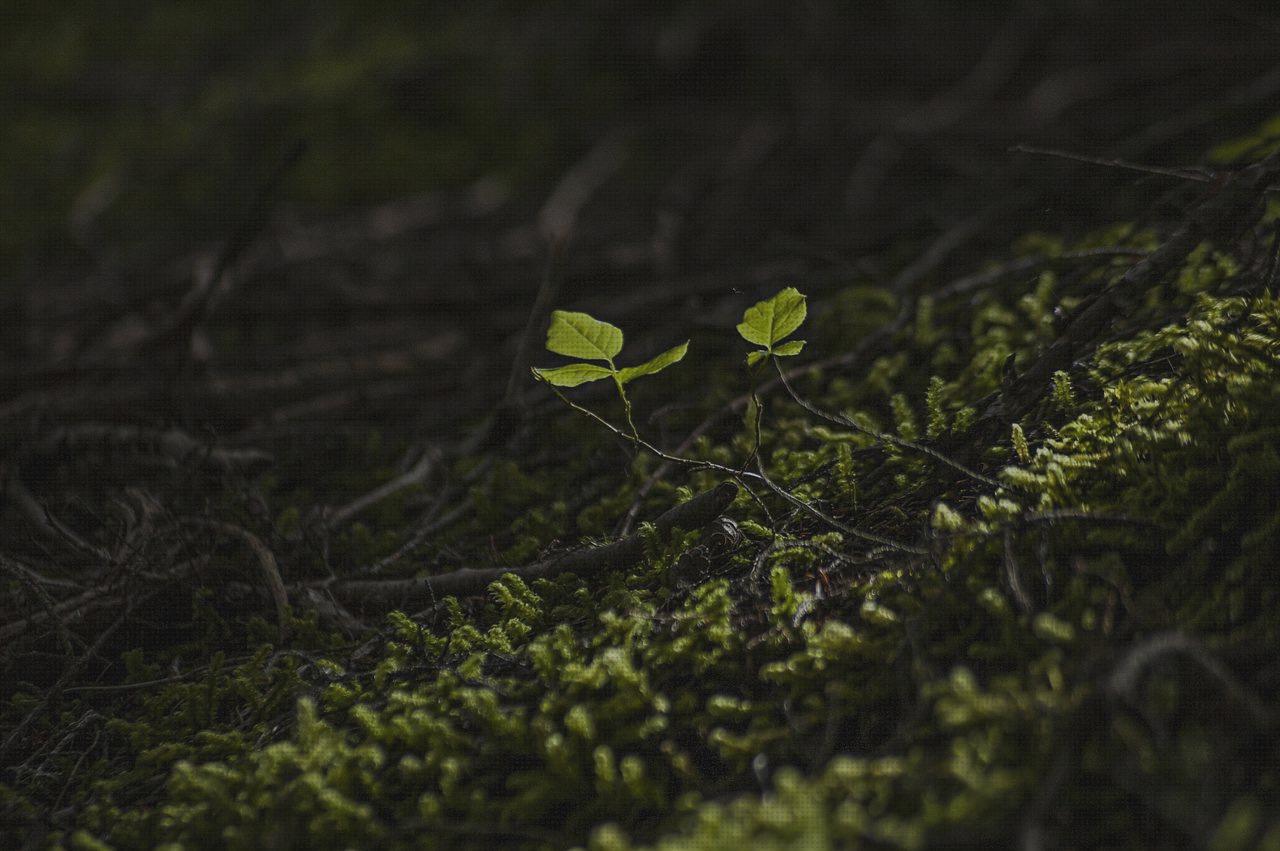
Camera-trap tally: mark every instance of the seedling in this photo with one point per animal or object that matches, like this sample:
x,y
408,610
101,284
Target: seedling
x,y
580,335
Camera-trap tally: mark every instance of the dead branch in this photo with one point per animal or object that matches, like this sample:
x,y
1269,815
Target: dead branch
x,y
364,596
1229,207
558,217
418,474
48,524
1126,676
174,445
267,565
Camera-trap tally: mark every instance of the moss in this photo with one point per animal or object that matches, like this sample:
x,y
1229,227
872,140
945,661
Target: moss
x,y
795,689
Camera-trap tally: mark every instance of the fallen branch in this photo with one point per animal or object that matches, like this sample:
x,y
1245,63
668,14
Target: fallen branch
x,y
176,446
1228,207
415,476
266,564
374,595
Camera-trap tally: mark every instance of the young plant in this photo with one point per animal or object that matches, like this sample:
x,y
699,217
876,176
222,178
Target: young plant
x,y
580,335
770,322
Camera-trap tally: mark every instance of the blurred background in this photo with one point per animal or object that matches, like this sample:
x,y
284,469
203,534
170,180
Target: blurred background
x,y
373,185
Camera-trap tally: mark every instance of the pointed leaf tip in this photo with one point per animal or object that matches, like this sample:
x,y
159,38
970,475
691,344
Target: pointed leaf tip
x,y
657,364
573,374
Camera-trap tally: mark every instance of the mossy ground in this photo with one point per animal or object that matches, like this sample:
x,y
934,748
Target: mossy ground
x,y
790,689
1080,654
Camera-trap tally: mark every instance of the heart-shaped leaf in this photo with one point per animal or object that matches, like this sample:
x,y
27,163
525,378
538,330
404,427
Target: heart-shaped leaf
x,y
579,335
657,364
573,374
773,319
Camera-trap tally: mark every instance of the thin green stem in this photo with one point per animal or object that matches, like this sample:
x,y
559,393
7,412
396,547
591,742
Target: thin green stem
x,y
883,437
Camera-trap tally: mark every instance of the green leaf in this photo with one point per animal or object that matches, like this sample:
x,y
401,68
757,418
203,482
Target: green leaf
x,y
573,374
786,350
579,335
773,319
755,357
661,362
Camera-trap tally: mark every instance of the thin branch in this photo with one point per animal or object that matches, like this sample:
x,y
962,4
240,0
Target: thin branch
x,y
821,515
548,290
883,437
384,595
418,474
266,564
1115,162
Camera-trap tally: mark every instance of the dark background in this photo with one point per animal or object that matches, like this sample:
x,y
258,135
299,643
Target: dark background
x,y
739,145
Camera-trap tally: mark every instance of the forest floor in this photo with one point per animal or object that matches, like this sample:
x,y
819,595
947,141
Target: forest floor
x,y
295,552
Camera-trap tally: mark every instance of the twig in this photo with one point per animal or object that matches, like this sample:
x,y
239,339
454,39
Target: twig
x,y
558,218
1225,208
639,441
418,474
821,515
49,525
266,564
978,280
1125,677
883,437
1115,162
944,110
175,445
367,595
213,283
1014,575
548,290
21,727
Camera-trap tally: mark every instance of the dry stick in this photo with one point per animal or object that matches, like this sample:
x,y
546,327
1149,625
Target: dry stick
x,y
174,444
49,525
211,285
1227,207
266,564
384,595
556,222
558,218
415,476
945,110
1259,90
1114,162
30,579
80,606
1125,677
1014,575
1023,265
819,514
883,437
76,664
548,291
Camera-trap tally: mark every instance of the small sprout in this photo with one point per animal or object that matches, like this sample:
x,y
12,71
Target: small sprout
x,y
771,321
579,335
